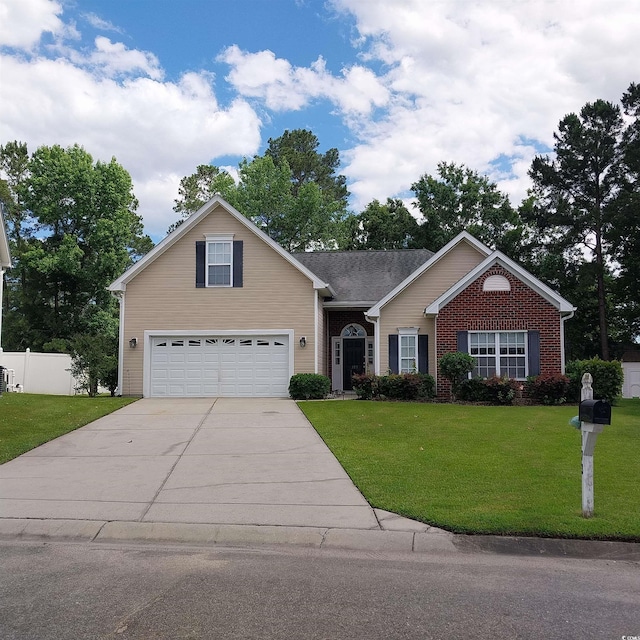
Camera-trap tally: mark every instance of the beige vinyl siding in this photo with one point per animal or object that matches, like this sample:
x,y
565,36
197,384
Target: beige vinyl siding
x,y
322,348
163,296
407,308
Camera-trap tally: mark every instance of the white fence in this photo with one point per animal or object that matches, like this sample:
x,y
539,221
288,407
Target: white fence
x,y
40,372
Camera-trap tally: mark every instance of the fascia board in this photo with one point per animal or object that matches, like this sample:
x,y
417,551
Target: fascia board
x,y
374,311
499,258
5,255
193,220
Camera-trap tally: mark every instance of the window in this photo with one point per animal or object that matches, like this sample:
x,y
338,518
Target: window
x,y
408,344
219,264
501,353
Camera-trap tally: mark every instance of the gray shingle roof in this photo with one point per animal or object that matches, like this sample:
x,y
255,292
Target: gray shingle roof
x,y
359,276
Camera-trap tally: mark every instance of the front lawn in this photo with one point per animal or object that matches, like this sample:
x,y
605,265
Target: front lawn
x,y
29,420
480,469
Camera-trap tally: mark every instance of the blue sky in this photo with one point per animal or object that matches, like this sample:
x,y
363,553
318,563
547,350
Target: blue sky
x,y
396,85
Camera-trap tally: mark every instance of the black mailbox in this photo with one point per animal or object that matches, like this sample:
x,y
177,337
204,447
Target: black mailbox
x,y
595,411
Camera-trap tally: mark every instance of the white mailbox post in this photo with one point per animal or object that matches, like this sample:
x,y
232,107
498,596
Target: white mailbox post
x,y
599,414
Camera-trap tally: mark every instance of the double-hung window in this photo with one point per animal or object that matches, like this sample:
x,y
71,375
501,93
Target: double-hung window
x,y
219,263
501,353
408,345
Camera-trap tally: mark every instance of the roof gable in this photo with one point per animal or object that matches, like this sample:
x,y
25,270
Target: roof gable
x,y
193,220
464,236
554,298
5,256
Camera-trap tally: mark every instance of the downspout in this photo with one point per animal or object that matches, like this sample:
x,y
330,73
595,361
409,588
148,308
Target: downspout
x,y
1,288
562,356
376,336
119,296
316,331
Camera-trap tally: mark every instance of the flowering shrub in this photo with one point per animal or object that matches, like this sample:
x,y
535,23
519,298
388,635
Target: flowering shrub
x,y
548,388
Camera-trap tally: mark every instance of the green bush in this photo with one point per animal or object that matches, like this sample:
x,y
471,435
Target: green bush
x,y
548,388
406,386
309,386
607,378
365,385
473,390
456,367
501,390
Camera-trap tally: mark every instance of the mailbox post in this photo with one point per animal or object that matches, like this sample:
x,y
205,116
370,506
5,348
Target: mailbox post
x,y
594,414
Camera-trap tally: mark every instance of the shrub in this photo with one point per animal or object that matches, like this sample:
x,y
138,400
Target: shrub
x,y
365,385
406,386
473,390
456,367
607,378
309,386
548,388
501,390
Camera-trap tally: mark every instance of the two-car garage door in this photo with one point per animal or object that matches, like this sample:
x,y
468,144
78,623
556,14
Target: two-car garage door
x,y
199,366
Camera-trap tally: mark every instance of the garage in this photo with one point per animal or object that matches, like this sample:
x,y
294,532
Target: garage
x,y
219,365
631,385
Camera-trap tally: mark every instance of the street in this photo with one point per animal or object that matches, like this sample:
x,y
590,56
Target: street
x,y
116,591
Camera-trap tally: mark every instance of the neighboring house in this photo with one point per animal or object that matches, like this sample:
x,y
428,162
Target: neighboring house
x,y
631,372
219,309
5,262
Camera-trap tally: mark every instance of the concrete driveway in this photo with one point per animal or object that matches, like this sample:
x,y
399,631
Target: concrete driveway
x,y
214,461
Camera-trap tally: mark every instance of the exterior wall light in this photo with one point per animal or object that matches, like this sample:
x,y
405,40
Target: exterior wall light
x,y
133,342
303,342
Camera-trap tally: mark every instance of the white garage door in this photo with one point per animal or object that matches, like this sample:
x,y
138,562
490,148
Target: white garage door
x,y
229,366
631,385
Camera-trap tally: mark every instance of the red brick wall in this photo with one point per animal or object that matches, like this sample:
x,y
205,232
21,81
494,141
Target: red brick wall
x,y
520,309
336,321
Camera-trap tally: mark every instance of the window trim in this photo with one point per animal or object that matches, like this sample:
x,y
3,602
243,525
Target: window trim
x,y
497,355
218,239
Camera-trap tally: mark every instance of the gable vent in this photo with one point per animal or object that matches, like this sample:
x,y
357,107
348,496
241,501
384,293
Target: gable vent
x,y
496,283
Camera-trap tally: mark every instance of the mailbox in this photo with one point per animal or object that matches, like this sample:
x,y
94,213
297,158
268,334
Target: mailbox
x,y
595,411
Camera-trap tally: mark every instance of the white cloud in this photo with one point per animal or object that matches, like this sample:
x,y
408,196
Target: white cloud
x,y
99,23
470,80
156,130
22,22
113,59
285,87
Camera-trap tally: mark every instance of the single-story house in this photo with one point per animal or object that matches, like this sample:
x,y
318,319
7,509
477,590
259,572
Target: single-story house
x,y
217,308
5,262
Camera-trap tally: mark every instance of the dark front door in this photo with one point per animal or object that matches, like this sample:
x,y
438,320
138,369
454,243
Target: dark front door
x,y
352,360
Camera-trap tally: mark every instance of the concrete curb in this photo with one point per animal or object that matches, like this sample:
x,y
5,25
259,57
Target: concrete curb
x,y
373,540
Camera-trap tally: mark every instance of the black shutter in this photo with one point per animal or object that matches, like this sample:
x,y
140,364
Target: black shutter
x,y
393,352
533,338
463,341
237,263
201,248
423,354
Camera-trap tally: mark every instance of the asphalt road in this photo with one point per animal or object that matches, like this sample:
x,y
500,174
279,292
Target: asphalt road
x,y
98,591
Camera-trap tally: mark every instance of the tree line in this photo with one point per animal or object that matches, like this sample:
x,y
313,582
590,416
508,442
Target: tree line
x,y
73,227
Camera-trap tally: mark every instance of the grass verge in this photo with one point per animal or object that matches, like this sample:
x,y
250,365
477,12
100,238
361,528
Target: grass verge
x,y
29,420
487,470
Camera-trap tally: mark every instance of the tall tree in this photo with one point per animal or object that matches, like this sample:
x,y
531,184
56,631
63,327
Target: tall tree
x,y
85,233
299,149
575,192
385,226
460,199
198,188
625,239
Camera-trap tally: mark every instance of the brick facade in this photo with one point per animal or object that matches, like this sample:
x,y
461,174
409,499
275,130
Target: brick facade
x,y
520,309
336,321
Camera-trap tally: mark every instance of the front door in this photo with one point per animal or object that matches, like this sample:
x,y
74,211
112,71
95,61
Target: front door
x,y
352,360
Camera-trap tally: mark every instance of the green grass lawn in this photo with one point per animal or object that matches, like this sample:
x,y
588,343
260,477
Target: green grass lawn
x,y
29,420
480,469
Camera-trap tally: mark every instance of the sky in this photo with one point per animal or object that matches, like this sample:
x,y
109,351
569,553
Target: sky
x,y
397,86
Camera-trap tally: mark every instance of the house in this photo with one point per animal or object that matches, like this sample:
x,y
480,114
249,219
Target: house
x,y
5,261
219,309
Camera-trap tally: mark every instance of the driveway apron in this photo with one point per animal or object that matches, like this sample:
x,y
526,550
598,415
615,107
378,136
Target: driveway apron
x,y
215,461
